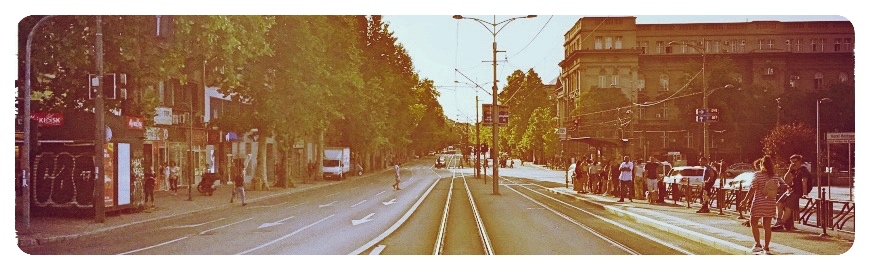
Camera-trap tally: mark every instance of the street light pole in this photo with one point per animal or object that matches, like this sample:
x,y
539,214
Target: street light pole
x,y
706,126
494,31
818,148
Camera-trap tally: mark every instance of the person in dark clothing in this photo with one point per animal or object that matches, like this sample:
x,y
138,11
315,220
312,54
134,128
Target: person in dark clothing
x,y
710,176
651,171
799,183
150,182
239,182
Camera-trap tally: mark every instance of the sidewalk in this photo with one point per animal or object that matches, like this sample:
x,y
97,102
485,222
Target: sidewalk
x,y
725,232
57,229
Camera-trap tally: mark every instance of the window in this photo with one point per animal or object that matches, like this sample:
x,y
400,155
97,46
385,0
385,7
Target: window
x,y
742,47
608,43
660,45
822,45
760,44
663,82
837,44
848,45
770,44
797,45
768,71
641,84
598,44
618,43
716,46
813,45
844,77
643,47
817,81
788,45
602,81
614,80
792,81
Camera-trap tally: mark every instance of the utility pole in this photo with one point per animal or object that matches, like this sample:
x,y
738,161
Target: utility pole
x,y
100,132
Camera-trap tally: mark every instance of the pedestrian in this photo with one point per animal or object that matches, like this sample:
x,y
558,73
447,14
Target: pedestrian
x,y
580,176
396,167
615,184
799,183
625,176
651,169
239,183
763,202
710,175
150,181
166,172
639,186
593,172
173,178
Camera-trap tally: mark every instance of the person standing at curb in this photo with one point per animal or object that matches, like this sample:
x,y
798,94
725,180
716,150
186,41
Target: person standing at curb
x,y
763,202
166,172
239,183
149,186
173,178
625,177
396,184
652,177
710,176
639,181
580,176
798,180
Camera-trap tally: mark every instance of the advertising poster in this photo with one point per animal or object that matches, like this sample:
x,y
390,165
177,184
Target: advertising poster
x,y
109,184
123,168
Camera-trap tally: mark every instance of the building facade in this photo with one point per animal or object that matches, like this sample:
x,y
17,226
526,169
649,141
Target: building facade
x,y
662,71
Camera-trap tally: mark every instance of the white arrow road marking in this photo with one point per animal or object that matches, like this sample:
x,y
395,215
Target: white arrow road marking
x,y
363,220
328,204
192,225
270,224
352,206
284,237
390,202
377,250
224,226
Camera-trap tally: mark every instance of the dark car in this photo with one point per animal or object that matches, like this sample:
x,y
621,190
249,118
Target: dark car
x,y
440,164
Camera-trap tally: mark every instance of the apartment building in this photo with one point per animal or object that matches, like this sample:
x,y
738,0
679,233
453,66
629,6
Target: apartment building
x,y
655,75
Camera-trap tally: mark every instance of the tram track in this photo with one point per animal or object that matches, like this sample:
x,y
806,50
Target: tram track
x,y
459,220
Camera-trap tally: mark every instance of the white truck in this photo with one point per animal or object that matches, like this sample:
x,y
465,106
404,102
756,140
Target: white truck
x,y
336,162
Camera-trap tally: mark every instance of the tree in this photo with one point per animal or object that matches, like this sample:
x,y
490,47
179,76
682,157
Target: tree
x,y
786,140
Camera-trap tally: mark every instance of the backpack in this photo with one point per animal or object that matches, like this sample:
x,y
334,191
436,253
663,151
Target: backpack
x,y
771,187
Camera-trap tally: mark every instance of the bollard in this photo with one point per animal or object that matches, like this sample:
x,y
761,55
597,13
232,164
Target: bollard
x,y
822,215
739,200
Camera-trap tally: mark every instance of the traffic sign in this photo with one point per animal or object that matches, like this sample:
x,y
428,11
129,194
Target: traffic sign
x,y
503,115
840,137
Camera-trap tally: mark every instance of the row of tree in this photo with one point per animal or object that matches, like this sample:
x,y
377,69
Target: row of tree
x,y
344,79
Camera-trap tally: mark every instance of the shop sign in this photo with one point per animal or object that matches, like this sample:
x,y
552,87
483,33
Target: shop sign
x,y
156,134
134,122
48,119
163,116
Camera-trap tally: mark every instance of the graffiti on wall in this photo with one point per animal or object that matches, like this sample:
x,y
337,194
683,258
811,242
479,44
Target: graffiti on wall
x,y
64,179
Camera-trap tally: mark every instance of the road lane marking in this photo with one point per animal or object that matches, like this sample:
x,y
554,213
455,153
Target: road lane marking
x,y
352,206
266,206
192,225
363,220
224,226
382,192
389,202
377,250
154,246
328,204
284,237
270,224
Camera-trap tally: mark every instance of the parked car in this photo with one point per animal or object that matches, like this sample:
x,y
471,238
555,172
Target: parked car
x,y
744,179
738,168
693,175
440,163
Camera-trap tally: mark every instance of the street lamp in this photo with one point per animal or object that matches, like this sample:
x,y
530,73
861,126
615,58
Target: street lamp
x,y
704,82
818,148
494,31
477,131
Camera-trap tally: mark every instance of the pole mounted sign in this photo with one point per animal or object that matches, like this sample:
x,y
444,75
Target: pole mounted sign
x,y
706,115
503,115
841,137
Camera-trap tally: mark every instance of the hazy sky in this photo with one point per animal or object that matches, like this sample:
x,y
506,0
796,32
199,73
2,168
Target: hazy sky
x,y
439,45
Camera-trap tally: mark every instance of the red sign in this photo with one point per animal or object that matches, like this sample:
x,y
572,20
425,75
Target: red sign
x,y
134,123
48,119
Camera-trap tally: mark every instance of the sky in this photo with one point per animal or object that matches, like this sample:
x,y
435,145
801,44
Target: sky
x,y
457,54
